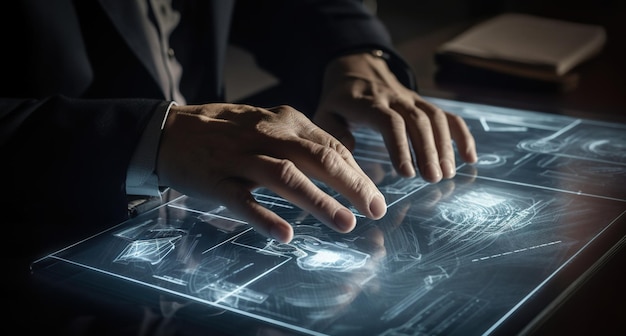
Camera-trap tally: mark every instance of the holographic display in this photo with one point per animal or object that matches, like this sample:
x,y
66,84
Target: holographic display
x,y
459,257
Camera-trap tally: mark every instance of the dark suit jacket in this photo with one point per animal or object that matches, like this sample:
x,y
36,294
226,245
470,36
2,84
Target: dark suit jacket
x,y
78,87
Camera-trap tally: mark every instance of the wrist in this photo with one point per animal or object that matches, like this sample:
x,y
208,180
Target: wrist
x,y
371,51
379,53
362,61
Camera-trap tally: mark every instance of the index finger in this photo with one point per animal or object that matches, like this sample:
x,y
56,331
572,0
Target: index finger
x,y
325,159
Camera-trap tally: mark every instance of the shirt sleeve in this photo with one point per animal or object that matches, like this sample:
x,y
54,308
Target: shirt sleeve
x,y
141,178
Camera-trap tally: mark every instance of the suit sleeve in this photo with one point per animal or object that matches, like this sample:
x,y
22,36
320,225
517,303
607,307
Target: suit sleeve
x,y
294,40
65,160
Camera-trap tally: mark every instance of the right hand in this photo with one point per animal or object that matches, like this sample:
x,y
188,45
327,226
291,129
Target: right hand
x,y
224,151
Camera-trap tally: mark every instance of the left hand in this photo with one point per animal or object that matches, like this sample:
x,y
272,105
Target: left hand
x,y
360,88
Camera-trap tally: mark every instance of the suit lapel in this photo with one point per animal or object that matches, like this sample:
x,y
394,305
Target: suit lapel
x,y
126,16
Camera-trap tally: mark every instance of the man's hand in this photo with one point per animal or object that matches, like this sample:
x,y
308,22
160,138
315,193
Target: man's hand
x,y
361,89
223,151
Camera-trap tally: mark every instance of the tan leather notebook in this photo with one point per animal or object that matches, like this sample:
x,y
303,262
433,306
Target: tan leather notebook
x,y
525,45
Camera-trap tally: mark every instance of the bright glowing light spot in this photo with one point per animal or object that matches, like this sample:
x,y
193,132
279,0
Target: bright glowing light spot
x,y
481,198
325,257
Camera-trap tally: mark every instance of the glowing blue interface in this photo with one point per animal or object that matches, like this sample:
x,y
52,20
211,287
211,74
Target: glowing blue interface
x,y
458,257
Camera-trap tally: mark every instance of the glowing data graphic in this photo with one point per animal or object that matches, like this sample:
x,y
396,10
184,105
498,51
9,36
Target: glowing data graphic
x,y
460,257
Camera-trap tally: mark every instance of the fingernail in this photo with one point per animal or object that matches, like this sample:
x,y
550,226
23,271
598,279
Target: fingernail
x,y
471,156
378,206
406,169
280,235
447,168
344,220
433,171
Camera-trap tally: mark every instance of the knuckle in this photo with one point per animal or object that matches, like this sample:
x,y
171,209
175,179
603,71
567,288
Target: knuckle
x,y
359,184
438,114
456,119
430,152
286,110
387,117
288,174
329,157
334,145
378,104
341,150
417,116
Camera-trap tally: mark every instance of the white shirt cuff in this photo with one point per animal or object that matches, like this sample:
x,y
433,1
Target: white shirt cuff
x,y
141,178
